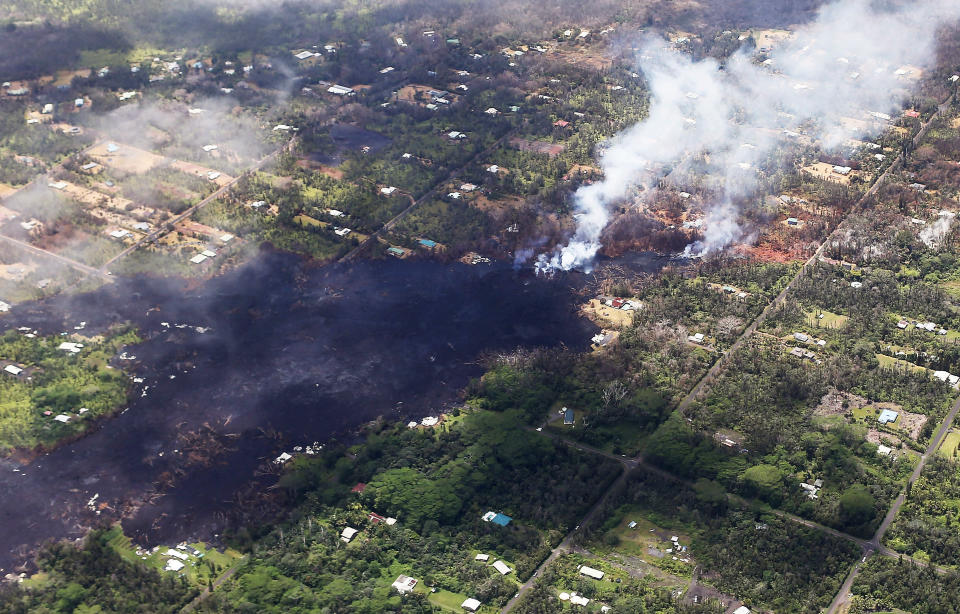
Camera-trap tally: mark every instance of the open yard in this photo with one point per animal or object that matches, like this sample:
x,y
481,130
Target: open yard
x,y
221,179
818,318
597,311
950,444
647,543
125,158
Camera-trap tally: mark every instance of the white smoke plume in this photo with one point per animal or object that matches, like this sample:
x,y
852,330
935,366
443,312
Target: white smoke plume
x,y
933,234
839,77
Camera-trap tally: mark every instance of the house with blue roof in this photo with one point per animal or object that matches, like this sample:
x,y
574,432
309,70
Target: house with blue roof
x,y
888,416
497,518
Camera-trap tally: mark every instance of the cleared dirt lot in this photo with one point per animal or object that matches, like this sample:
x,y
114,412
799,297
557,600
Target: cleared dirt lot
x,y
191,168
125,158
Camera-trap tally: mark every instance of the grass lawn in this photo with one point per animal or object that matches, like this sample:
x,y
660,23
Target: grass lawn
x,y
445,600
306,220
646,535
569,578
197,571
952,288
888,362
38,580
950,444
829,319
868,413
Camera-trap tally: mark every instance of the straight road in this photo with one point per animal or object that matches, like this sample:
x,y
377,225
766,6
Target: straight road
x,y
566,545
157,232
701,387
83,268
844,595
207,590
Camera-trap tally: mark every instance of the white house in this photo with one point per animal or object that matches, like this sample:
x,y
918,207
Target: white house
x,y
404,584
173,565
348,534
470,605
502,567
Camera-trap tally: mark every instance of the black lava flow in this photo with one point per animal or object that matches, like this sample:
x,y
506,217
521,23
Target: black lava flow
x,y
275,346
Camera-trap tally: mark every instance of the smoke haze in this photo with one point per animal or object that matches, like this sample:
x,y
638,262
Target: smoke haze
x,y
836,79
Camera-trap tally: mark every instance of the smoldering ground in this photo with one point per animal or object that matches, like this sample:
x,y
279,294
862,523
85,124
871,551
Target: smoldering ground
x,y
738,113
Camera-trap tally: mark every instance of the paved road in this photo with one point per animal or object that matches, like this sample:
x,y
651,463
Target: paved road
x,y
83,268
89,270
154,234
703,385
626,461
566,545
103,271
844,594
869,547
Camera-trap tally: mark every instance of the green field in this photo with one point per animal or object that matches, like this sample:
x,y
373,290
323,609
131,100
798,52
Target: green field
x,y
829,319
888,362
198,571
638,541
448,601
950,444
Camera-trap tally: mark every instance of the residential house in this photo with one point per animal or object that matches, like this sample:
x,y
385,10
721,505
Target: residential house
x,y
888,416
404,584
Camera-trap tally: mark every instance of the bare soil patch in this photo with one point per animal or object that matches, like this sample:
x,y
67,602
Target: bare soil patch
x,y
126,158
551,149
